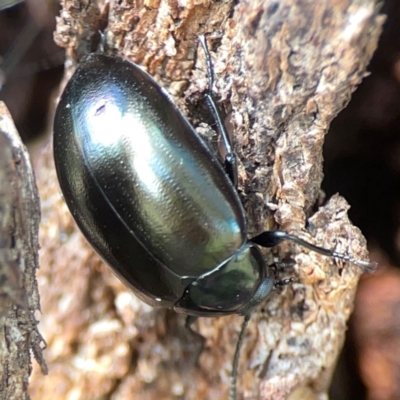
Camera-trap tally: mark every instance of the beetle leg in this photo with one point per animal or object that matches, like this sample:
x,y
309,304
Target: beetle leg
x,y
284,282
232,390
273,238
230,160
279,265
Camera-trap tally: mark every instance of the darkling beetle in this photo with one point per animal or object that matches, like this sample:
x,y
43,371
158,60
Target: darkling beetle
x,y
154,201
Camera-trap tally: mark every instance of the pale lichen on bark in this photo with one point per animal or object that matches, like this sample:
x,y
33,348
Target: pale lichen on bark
x,y
284,70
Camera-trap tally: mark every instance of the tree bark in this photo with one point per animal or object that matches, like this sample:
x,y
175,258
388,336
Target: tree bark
x,y
283,70
19,245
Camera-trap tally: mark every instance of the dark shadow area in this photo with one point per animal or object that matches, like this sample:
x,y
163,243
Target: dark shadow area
x,y
31,64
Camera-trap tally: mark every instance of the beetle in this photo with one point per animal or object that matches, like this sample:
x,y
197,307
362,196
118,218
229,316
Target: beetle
x,y
152,198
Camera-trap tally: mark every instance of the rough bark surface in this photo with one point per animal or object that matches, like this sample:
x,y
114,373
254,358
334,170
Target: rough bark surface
x,y
284,70
19,246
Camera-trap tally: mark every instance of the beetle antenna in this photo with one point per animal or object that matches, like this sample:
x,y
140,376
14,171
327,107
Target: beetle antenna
x,y
232,390
230,160
273,238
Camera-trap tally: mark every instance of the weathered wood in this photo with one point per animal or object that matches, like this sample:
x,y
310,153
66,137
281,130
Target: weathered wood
x,y
19,246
